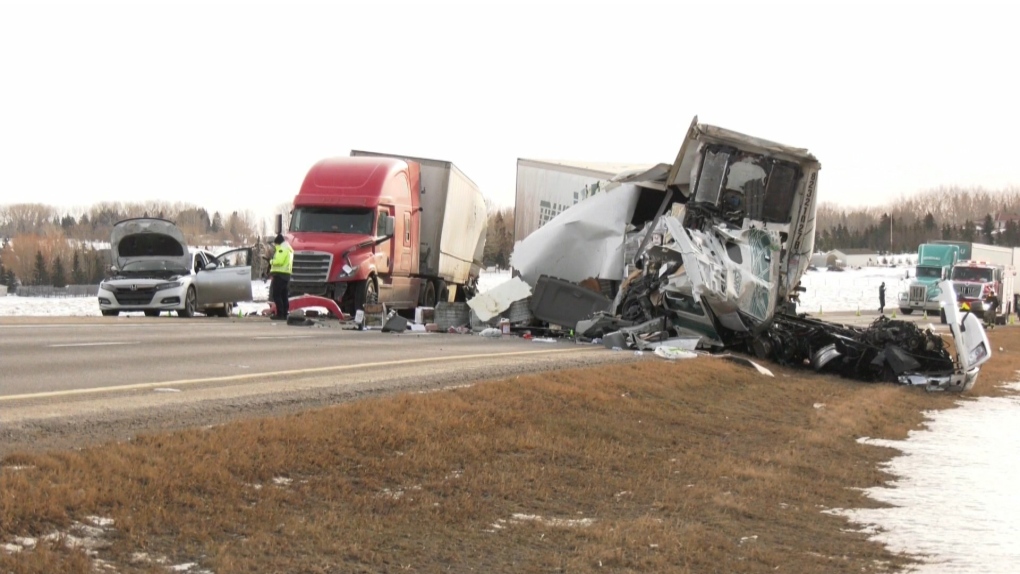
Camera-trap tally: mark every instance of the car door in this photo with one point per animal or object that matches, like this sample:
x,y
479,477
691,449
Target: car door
x,y
231,277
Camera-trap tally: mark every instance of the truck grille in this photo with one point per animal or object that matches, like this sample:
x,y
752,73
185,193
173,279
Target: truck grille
x,y
140,296
311,267
971,290
918,292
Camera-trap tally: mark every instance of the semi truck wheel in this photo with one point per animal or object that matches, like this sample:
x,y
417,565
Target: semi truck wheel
x,y
366,294
442,291
942,316
906,311
428,295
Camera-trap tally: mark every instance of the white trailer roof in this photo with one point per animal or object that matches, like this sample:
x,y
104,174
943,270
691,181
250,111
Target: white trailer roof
x,y
602,170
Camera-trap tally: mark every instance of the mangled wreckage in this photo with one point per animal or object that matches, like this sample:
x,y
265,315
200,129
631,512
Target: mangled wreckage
x,y
712,248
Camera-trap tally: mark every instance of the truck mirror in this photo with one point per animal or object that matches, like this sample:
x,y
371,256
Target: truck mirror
x,y
388,222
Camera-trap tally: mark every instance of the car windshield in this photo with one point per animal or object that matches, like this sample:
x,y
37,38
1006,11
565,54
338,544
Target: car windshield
x,y
150,265
929,273
972,274
356,221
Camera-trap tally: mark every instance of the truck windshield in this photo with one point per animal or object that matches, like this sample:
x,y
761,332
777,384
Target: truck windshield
x,y
355,221
929,273
754,185
976,274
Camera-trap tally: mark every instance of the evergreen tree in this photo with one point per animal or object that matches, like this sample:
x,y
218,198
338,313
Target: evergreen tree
x,y
10,280
988,229
929,222
77,273
59,274
969,231
41,275
98,268
1012,233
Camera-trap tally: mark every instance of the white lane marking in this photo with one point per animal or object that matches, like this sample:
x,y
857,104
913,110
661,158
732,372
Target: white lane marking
x,y
96,344
249,376
285,337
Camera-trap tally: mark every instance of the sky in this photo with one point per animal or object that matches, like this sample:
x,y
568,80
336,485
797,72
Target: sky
x,y
227,104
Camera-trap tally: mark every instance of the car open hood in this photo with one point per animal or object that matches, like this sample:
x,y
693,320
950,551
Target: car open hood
x,y
148,239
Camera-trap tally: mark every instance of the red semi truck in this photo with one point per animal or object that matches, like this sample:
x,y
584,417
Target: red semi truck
x,y
385,228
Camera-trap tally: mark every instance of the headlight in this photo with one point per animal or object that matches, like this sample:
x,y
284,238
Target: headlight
x,y
165,286
977,353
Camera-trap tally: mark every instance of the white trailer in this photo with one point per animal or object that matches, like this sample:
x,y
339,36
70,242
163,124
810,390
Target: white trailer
x,y
546,188
453,220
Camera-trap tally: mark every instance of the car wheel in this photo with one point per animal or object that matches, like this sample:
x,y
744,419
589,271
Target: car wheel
x,y
109,313
227,310
152,313
189,304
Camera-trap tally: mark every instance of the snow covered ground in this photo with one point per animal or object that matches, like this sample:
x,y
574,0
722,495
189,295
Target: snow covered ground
x,y
826,291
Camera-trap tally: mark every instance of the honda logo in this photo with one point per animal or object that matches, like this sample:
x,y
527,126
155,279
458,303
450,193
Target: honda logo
x,y
134,287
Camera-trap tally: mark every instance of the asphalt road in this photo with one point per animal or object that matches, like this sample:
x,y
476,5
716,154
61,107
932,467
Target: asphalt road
x,y
97,378
73,381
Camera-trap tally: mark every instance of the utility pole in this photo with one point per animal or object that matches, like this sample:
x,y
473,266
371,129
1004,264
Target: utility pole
x,y
890,233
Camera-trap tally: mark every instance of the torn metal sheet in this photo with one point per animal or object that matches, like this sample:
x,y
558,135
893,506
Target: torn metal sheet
x,y
674,353
599,325
584,241
498,299
747,363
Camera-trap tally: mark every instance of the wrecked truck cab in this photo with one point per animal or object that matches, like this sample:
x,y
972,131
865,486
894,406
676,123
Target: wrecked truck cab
x,y
729,224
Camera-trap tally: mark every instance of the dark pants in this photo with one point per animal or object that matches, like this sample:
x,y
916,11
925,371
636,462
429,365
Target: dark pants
x,y
881,302
279,291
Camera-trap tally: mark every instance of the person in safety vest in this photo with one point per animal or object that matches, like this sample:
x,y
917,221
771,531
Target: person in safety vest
x,y
280,268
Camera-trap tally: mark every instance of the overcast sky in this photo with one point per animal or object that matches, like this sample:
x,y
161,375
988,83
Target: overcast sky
x,y
227,104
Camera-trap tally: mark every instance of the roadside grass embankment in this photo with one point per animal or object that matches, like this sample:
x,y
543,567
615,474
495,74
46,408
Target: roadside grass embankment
x,y
652,466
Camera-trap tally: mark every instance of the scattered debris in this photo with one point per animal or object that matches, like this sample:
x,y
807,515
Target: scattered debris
x,y
499,299
561,522
674,353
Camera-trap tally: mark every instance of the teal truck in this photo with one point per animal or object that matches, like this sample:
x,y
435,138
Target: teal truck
x,y
935,263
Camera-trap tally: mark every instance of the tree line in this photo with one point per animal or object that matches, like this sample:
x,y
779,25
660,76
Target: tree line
x,y
952,213
40,245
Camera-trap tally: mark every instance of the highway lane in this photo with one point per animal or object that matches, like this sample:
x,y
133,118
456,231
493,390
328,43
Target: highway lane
x,y
53,358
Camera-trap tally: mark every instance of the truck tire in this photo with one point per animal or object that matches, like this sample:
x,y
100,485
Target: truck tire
x,y
906,311
442,291
366,293
428,295
942,316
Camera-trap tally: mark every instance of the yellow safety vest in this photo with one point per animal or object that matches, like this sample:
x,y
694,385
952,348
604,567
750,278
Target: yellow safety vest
x,y
283,260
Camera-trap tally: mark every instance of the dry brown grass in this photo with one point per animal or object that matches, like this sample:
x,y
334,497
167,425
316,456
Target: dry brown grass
x,y
696,466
